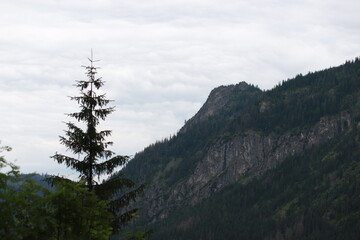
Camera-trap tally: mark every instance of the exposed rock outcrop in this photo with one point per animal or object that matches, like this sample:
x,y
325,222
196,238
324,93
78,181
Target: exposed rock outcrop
x,y
227,161
217,99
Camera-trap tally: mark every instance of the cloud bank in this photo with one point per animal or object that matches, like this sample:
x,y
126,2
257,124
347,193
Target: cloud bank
x,y
160,59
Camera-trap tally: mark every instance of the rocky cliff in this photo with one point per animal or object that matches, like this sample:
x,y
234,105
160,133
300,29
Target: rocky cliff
x,y
227,161
217,99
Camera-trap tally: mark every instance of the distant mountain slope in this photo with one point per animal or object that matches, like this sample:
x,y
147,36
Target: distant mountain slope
x,y
239,133
38,179
314,195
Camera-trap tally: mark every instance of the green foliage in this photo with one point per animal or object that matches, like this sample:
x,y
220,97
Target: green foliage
x,y
137,234
79,213
30,211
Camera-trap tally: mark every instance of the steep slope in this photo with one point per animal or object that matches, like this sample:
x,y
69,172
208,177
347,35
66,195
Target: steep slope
x,y
314,195
242,131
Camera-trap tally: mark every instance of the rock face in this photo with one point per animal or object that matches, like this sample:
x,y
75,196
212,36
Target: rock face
x,y
227,161
217,99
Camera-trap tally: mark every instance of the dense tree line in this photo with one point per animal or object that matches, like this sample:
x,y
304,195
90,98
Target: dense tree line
x,y
31,211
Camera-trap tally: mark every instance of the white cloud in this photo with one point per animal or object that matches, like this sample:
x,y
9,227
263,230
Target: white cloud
x,y
160,59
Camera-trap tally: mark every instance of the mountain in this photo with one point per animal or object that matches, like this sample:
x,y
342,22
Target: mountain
x,y
252,164
38,179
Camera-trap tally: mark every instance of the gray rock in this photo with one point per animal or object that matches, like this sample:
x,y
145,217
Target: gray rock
x,y
227,161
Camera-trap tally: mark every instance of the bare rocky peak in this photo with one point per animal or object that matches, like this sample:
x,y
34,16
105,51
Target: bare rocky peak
x,y
217,99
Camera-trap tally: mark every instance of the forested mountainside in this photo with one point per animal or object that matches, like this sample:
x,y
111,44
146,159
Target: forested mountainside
x,y
274,164
37,179
314,195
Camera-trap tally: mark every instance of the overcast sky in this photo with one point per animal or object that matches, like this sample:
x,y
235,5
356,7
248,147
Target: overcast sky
x,y
160,59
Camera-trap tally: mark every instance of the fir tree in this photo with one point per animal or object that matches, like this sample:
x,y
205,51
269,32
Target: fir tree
x,y
92,148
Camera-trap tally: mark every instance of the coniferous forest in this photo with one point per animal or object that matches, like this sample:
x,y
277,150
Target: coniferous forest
x,y
311,196
313,193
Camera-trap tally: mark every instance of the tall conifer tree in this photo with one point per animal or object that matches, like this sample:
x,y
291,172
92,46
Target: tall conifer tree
x,y
91,146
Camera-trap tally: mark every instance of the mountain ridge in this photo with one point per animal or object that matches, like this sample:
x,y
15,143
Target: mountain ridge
x,y
241,132
216,100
